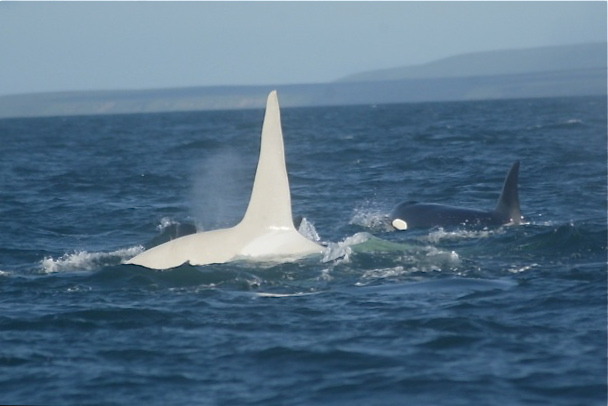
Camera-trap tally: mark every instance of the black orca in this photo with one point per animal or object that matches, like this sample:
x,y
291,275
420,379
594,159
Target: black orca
x,y
409,215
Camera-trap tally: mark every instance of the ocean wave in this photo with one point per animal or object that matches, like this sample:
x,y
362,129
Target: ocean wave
x,y
166,222
169,229
522,268
440,234
382,273
86,261
379,259
561,124
574,240
424,260
343,249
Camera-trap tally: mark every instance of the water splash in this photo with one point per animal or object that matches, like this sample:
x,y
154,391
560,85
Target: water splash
x,y
342,250
165,223
308,230
374,219
86,261
440,234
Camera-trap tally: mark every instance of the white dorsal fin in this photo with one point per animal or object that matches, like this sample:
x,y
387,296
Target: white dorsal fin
x,y
266,232
270,203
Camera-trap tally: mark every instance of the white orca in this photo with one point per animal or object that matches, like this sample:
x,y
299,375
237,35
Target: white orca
x,y
409,215
266,233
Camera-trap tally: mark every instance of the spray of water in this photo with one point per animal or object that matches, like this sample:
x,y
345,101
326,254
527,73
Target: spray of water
x,y
220,190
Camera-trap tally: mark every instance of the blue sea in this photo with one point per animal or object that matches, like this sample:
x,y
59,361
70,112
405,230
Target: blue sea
x,y
510,315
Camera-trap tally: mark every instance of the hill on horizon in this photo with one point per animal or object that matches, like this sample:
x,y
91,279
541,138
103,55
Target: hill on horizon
x,y
497,62
562,71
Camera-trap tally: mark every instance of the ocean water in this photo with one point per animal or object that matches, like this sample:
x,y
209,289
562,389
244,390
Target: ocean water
x,y
511,315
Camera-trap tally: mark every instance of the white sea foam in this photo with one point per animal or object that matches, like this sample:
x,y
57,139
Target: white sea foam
x,y
371,218
342,250
444,259
520,269
308,230
284,295
325,275
87,261
430,259
440,234
79,288
382,273
165,222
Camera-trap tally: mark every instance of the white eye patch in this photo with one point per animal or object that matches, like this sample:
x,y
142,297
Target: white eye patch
x,y
399,224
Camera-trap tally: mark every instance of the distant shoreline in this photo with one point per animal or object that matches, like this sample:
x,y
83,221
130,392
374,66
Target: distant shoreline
x,y
557,72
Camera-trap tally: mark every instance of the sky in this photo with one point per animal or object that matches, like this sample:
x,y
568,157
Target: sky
x,y
66,46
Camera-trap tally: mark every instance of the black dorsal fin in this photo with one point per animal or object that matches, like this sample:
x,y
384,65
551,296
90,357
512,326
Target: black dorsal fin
x,y
508,203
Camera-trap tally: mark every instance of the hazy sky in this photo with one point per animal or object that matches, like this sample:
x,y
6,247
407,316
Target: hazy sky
x,y
53,46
